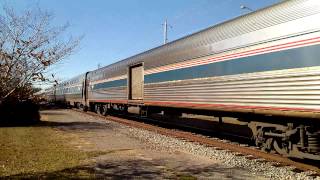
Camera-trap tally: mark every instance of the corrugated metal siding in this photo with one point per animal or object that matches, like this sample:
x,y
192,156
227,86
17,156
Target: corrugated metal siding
x,y
296,88
73,97
115,93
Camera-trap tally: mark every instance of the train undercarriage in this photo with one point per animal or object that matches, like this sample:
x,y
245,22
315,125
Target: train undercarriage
x,y
293,138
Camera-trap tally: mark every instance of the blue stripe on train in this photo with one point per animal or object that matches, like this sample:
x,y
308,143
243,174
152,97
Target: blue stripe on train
x,y
287,59
115,83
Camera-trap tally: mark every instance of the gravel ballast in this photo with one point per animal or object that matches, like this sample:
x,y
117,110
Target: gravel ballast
x,y
229,159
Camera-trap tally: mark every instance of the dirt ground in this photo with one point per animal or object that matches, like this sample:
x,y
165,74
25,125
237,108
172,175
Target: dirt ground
x,y
129,157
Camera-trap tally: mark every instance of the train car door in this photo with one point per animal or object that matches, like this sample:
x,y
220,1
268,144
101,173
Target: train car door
x,y
85,86
136,82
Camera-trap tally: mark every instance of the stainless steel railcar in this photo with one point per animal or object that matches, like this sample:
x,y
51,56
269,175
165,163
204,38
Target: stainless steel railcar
x,y
70,92
263,67
48,94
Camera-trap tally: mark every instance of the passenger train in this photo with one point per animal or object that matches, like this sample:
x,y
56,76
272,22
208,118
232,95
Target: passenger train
x,y
262,68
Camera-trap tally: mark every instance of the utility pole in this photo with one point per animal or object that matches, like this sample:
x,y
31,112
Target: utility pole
x,y
165,31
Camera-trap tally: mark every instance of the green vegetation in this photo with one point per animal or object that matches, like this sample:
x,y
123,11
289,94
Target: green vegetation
x,y
186,177
40,152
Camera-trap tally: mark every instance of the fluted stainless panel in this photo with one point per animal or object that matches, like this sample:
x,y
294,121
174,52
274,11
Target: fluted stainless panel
x,y
118,93
73,97
296,88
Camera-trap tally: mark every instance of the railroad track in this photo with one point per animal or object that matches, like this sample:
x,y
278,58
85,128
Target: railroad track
x,y
243,150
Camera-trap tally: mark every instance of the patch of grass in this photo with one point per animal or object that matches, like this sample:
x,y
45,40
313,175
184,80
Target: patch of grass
x,y
186,177
39,150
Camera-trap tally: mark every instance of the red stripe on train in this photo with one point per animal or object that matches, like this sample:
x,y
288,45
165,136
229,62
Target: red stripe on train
x,y
187,104
108,101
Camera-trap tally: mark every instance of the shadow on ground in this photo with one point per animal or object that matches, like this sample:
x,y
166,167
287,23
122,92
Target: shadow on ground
x,y
19,114
63,120
28,115
133,169
75,125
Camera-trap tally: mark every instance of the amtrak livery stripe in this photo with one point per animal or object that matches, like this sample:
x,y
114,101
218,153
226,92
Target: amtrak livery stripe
x,y
279,60
115,83
274,48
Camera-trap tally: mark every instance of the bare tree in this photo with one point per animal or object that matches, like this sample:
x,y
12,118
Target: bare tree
x,y
29,44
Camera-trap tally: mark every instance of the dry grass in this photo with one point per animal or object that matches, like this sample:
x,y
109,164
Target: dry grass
x,y
39,151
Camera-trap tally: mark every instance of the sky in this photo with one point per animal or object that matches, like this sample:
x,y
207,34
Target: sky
x,y
117,29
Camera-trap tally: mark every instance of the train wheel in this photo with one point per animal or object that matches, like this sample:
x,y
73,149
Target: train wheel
x,y
281,147
267,146
123,109
104,110
83,107
97,109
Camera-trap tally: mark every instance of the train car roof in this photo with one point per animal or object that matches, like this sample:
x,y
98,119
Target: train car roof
x,y
73,80
223,29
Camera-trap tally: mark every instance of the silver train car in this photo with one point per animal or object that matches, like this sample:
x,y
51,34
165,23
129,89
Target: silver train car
x,y
262,67
71,92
